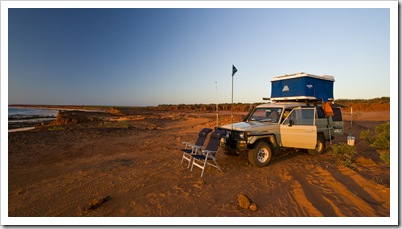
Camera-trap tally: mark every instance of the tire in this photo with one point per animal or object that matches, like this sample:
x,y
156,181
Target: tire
x,y
319,148
260,155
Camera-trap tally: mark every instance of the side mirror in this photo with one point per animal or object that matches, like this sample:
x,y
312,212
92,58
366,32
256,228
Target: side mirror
x,y
291,122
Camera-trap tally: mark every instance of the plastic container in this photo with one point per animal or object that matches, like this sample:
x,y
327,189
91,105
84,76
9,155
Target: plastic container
x,y
351,140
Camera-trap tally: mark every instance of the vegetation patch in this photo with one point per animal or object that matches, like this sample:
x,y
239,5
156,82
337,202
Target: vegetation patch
x,y
379,139
375,104
343,153
119,124
55,128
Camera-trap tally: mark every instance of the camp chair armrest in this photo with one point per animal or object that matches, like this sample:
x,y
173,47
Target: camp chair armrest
x,y
196,149
188,144
209,151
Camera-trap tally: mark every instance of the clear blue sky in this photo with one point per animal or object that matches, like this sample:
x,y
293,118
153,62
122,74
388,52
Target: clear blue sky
x,y
171,56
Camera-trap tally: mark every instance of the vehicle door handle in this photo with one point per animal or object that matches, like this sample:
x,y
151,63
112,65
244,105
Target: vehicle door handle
x,y
309,131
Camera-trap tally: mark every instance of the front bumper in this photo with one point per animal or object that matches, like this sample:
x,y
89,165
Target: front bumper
x,y
233,142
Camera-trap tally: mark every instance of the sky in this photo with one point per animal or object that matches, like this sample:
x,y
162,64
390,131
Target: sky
x,y
152,56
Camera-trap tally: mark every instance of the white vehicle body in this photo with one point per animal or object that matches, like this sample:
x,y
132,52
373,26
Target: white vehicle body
x,y
277,125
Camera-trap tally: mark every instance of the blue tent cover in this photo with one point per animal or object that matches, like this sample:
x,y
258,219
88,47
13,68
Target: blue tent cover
x,y
303,86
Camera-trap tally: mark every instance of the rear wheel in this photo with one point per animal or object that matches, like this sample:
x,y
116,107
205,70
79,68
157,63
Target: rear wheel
x,y
319,147
260,155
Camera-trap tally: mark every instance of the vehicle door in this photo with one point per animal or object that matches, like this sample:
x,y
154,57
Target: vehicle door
x,y
298,130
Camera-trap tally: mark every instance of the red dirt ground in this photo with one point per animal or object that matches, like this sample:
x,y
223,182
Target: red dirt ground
x,y
132,168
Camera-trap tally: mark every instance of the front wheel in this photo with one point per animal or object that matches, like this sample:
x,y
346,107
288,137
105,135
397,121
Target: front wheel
x,y
260,155
319,147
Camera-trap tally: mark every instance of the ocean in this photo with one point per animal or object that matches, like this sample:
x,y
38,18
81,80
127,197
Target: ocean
x,y
26,113
27,118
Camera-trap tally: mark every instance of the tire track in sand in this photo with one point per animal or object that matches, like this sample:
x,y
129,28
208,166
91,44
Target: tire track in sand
x,y
313,194
324,192
374,203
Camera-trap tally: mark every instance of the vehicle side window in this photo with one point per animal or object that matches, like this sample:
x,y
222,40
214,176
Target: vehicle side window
x,y
286,114
291,116
299,116
320,112
337,114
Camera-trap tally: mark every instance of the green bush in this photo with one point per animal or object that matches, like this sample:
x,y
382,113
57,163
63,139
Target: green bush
x,y
379,139
367,136
123,124
385,156
344,153
382,138
55,128
119,124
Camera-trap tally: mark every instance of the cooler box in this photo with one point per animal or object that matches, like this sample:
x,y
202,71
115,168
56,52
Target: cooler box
x,y
302,86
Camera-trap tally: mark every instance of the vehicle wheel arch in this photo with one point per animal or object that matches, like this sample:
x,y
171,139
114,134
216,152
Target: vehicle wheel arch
x,y
269,139
320,147
321,134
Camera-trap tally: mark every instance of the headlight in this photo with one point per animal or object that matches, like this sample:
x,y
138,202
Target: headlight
x,y
241,135
244,135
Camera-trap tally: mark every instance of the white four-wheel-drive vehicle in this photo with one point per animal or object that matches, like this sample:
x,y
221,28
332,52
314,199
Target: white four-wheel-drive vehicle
x,y
301,120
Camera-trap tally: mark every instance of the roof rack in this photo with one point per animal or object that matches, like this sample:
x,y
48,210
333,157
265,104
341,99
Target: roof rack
x,y
307,101
292,99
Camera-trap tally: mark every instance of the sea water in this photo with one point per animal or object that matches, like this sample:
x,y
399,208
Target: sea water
x,y
20,118
29,116
22,113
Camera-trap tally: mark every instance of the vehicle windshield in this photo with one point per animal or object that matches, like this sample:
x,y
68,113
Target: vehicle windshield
x,y
266,115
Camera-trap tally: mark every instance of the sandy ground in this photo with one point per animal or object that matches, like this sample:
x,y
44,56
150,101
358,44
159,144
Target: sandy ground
x,y
132,168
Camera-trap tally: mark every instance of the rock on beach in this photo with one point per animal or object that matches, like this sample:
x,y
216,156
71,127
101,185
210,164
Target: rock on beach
x,y
66,117
245,202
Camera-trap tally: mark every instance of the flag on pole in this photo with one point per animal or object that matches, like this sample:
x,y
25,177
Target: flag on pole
x,y
234,70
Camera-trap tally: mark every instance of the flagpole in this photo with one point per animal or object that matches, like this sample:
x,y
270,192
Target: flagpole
x,y
217,107
231,107
234,70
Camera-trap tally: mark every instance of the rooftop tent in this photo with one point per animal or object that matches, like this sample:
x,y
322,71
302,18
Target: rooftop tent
x,y
303,86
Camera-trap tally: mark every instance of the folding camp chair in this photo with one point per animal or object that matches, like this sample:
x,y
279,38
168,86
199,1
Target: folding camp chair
x,y
194,148
202,160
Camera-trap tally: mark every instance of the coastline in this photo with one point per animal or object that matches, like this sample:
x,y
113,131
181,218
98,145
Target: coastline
x,y
20,122
20,129
61,107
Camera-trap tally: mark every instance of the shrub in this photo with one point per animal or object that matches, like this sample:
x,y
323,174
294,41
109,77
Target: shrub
x,y
119,124
385,156
382,138
344,153
55,128
367,136
379,139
